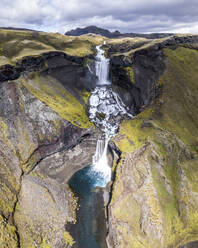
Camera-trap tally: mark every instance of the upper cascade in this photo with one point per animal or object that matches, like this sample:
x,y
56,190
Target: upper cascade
x,y
102,67
106,107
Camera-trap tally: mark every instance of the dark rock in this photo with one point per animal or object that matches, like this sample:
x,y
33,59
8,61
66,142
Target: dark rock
x,y
190,245
71,71
93,30
9,72
147,65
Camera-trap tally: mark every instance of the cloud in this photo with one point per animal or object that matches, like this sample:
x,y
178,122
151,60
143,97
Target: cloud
x,y
125,15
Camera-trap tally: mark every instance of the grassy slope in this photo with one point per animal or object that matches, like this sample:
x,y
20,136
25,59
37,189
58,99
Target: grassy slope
x,y
170,126
18,44
52,93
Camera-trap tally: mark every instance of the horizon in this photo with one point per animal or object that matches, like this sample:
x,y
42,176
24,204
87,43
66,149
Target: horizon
x,y
28,29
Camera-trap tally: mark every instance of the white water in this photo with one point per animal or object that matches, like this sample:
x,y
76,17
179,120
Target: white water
x,y
100,161
105,107
102,67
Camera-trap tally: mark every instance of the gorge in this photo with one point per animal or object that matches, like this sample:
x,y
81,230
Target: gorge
x,y
55,115
90,182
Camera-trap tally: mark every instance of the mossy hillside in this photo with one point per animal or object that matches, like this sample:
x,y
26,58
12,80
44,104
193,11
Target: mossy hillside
x,y
170,126
180,206
134,133
42,224
121,45
174,111
52,93
17,44
8,237
136,44
126,40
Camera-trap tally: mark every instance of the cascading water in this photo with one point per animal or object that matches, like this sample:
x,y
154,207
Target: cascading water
x,y
100,162
105,110
102,67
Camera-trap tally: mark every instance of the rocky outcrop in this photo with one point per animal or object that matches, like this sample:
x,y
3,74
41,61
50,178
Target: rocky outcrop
x,y
154,200
69,70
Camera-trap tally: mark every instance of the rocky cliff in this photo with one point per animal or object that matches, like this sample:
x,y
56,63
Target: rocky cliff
x,y
46,137
154,199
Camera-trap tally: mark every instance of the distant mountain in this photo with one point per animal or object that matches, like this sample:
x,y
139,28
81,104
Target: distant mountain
x,y
116,34
93,30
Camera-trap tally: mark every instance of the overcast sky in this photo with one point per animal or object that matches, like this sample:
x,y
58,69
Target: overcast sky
x,y
141,16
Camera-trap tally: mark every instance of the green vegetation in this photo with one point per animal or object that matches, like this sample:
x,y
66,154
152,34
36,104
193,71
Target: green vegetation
x,y
130,74
133,134
17,44
68,239
180,92
170,128
134,44
52,93
8,237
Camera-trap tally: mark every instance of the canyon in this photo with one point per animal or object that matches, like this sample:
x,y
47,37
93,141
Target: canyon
x,y
47,83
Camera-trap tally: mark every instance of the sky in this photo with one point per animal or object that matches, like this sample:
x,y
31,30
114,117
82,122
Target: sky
x,y
137,16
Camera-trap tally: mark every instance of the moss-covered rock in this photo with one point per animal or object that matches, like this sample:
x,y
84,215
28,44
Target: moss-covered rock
x,y
155,200
8,234
16,44
52,93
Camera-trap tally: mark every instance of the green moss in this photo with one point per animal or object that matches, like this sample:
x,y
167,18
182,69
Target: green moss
x,y
85,96
180,92
45,245
8,237
133,134
52,93
130,74
68,239
191,171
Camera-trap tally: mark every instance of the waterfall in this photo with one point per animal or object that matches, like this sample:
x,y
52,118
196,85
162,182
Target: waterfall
x,y
102,67
100,161
106,109
99,151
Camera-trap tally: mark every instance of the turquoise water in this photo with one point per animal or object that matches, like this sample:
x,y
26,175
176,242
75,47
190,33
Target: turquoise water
x,y
90,229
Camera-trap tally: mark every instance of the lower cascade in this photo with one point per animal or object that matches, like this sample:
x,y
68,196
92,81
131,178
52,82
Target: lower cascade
x,y
100,162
